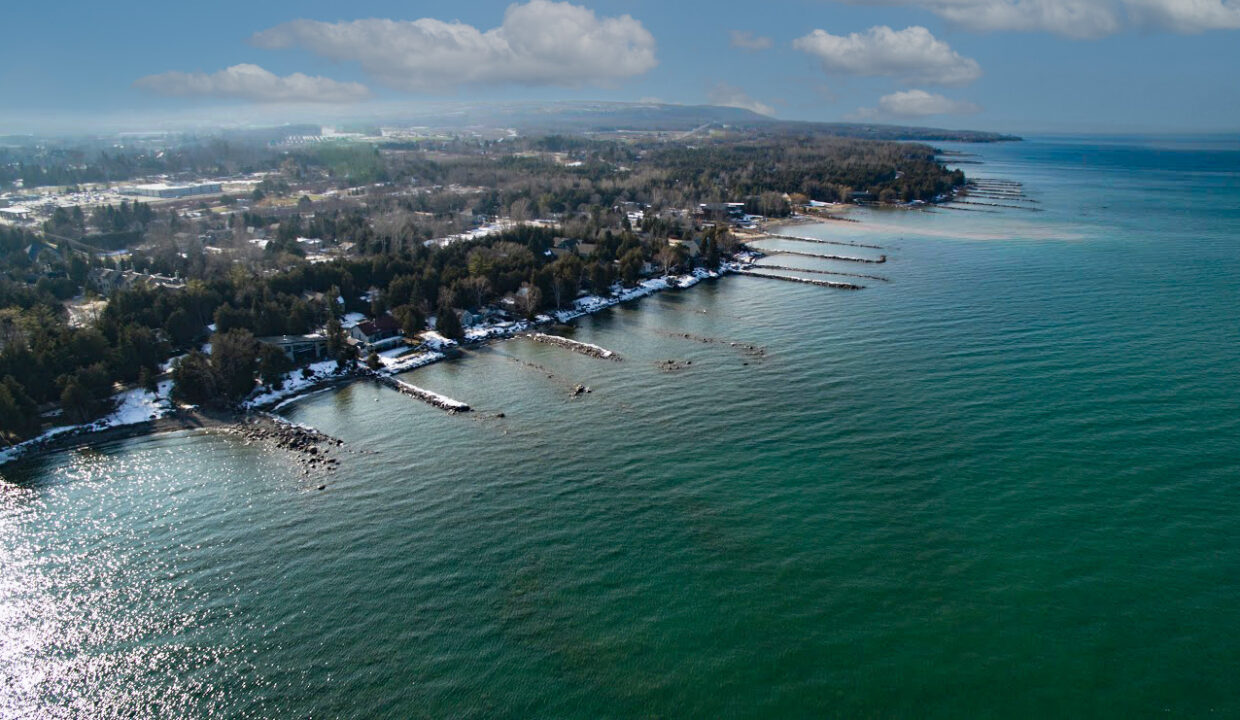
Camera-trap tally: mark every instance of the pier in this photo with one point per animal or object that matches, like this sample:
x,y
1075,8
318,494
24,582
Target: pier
x,y
998,205
593,351
430,398
806,281
820,272
990,195
819,242
841,258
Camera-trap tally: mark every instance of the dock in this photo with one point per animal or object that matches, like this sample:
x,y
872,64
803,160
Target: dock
x,y
819,241
789,268
578,347
841,258
806,281
997,205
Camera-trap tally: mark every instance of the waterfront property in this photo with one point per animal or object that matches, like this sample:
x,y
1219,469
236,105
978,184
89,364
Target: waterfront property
x,y
299,348
380,332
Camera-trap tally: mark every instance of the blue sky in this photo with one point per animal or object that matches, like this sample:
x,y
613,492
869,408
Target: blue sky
x,y
1006,65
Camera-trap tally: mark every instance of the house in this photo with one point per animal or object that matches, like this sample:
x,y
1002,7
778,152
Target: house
x,y
380,332
107,281
299,348
562,246
16,213
689,245
732,212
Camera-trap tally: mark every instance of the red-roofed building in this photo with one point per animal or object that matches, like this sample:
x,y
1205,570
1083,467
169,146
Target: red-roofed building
x,y
383,330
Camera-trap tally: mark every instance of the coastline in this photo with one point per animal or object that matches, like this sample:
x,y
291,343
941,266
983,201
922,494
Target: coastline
x,y
163,417
142,413
155,413
87,436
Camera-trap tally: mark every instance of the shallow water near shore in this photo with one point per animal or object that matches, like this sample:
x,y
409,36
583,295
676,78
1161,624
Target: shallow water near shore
x,y
1001,483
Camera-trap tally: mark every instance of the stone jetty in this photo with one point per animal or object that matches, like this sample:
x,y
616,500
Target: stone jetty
x,y
578,347
430,398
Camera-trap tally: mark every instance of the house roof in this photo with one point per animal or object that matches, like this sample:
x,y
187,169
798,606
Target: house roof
x,y
381,324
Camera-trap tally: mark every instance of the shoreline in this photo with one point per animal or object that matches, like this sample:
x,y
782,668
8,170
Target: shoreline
x,y
252,425
176,421
261,407
324,375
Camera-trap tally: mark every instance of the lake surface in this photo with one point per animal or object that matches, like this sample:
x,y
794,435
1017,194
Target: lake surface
x,y
1003,483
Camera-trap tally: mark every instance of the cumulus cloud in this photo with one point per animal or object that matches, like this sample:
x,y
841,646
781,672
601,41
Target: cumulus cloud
x,y
728,96
1185,16
1081,18
913,55
539,43
919,103
746,40
251,82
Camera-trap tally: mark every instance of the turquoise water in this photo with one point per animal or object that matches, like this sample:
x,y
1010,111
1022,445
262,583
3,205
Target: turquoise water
x,y
1001,484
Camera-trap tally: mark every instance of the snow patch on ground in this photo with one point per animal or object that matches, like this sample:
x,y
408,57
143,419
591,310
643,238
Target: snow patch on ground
x,y
296,383
593,303
405,361
435,341
131,407
135,406
506,328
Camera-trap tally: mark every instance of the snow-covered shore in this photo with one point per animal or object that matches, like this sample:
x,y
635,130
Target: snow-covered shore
x,y
403,359
138,406
131,408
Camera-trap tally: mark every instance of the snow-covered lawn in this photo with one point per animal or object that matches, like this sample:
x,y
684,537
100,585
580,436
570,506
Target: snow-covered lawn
x,y
296,383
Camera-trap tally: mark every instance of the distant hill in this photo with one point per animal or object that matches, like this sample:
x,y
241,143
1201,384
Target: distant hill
x,y
652,117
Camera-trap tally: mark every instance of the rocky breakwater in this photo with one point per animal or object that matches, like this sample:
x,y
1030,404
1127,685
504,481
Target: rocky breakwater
x,y
578,347
313,449
430,398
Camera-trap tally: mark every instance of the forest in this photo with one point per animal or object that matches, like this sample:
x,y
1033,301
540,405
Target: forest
x,y
243,273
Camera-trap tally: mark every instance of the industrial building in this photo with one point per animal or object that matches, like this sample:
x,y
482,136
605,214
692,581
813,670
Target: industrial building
x,y
163,190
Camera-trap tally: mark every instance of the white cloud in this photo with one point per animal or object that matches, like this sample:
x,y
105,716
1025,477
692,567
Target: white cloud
x,y
729,96
919,103
539,43
251,82
1081,18
746,40
1185,16
913,55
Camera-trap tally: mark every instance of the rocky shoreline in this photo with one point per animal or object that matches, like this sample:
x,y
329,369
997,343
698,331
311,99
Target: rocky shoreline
x,y
312,448
257,424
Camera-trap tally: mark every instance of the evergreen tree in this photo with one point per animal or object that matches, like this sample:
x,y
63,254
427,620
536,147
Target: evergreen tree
x,y
448,324
272,365
78,402
234,356
194,380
